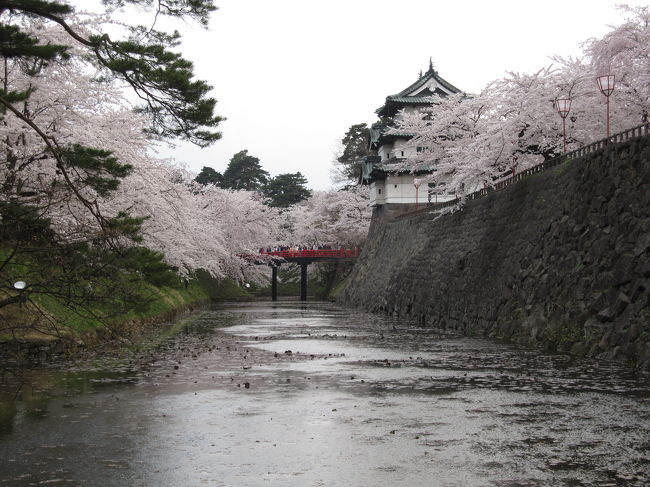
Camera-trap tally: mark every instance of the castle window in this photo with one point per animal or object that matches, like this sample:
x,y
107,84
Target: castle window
x,y
402,153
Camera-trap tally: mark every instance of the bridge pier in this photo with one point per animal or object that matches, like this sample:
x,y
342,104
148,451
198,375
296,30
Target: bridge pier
x,y
301,257
274,283
303,282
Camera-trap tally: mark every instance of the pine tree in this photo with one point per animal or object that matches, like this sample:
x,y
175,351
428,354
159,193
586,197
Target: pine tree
x,y
245,172
177,105
285,190
209,176
354,147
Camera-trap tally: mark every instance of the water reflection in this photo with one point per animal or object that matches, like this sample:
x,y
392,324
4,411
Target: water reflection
x,y
263,394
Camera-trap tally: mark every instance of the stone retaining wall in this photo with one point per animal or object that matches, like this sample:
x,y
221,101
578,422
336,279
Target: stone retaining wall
x,y
559,260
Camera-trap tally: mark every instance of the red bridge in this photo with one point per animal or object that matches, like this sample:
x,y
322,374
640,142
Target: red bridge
x,y
312,255
304,258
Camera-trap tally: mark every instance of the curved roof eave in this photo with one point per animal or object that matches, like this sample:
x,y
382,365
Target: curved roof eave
x,y
430,74
402,96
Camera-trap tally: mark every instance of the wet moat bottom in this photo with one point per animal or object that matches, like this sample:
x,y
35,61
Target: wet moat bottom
x,y
293,394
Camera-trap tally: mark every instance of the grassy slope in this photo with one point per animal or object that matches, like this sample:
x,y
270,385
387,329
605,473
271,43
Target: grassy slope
x,y
56,319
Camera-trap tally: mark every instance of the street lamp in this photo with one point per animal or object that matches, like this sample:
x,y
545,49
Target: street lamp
x,y
416,183
606,86
21,297
563,106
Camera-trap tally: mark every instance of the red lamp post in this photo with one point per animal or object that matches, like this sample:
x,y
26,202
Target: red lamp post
x,y
606,86
563,106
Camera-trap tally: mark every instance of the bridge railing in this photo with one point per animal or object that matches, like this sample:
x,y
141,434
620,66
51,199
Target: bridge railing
x,y
322,253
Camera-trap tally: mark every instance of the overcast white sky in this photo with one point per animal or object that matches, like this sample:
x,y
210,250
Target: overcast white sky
x,y
292,75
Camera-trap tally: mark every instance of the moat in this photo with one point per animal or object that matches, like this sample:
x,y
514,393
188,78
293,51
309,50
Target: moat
x,y
310,394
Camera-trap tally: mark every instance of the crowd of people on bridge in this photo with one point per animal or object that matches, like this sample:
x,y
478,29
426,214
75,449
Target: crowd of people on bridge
x,y
298,248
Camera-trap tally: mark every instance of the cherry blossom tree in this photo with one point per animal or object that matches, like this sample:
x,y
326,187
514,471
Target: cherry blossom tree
x,y
81,188
57,168
195,227
624,52
175,105
331,218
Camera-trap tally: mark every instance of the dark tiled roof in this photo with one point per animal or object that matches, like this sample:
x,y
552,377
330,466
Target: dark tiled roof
x,y
410,99
401,134
428,76
402,97
378,135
